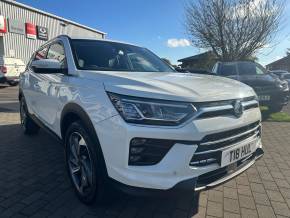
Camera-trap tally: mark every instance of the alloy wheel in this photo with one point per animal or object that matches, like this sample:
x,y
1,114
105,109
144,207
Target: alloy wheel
x,y
80,163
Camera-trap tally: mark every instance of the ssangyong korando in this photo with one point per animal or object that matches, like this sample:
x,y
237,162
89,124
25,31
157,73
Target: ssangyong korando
x,y
128,120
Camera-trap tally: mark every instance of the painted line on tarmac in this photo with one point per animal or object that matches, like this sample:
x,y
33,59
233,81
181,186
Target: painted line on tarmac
x,y
8,102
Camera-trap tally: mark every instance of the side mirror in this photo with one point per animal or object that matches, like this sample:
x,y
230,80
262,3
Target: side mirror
x,y
48,66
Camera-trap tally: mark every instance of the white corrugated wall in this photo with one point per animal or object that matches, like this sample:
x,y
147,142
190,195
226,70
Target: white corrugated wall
x,y
24,47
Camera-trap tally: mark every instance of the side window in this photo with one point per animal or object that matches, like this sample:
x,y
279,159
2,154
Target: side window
x,y
40,54
259,71
56,51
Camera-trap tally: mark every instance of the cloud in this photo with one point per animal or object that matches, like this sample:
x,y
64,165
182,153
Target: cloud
x,y
174,43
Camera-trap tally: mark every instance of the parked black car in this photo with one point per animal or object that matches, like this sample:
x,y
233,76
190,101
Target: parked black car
x,y
200,71
272,92
196,71
279,73
283,75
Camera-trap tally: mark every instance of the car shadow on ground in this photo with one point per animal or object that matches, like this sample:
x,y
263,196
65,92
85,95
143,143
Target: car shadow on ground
x,y
34,182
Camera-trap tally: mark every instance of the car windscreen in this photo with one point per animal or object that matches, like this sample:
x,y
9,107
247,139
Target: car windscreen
x,y
114,56
250,68
286,76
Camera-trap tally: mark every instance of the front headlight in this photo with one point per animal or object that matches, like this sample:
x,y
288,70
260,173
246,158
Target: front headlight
x,y
152,111
284,85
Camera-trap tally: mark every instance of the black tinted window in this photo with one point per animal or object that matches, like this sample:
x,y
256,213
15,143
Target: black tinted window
x,y
112,56
227,69
250,68
247,69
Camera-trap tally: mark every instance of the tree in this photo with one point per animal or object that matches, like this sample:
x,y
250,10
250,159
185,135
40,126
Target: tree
x,y
232,29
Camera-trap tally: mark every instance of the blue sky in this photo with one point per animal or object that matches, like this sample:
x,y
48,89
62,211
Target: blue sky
x,y
150,23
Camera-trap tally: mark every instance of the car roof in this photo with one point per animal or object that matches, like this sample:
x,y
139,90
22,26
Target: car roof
x,y
235,62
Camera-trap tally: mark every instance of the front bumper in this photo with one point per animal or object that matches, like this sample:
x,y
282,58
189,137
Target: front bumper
x,y
225,174
277,97
209,180
115,136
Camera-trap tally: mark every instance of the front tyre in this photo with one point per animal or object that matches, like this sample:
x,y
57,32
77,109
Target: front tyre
x,y
28,125
275,108
84,165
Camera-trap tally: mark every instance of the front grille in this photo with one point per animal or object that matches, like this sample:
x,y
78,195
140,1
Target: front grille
x,y
221,139
223,108
210,147
218,113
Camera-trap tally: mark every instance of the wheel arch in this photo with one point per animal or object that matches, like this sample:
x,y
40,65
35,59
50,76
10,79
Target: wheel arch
x,y
73,112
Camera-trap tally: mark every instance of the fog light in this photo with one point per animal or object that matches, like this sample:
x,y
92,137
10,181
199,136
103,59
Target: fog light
x,y
138,141
135,158
136,150
144,152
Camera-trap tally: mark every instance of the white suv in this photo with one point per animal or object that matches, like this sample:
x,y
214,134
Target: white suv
x,y
128,119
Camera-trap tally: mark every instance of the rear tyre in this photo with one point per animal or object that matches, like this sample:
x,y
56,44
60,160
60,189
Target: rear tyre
x,y
85,166
28,125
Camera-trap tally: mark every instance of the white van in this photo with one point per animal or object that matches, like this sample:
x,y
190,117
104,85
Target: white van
x,y
11,70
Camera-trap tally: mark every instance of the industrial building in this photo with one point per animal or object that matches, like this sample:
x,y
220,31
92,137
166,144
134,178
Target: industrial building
x,y
23,29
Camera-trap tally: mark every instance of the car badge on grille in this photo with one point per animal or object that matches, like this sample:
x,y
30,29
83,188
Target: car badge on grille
x,y
238,108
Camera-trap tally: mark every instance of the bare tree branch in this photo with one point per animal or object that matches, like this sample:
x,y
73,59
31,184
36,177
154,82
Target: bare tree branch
x,y
233,29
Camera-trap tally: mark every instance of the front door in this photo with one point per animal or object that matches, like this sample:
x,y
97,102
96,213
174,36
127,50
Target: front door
x,y
47,87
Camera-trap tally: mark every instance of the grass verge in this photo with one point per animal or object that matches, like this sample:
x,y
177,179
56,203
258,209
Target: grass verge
x,y
276,117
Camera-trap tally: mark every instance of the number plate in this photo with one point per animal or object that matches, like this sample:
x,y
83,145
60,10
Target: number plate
x,y
264,97
237,153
